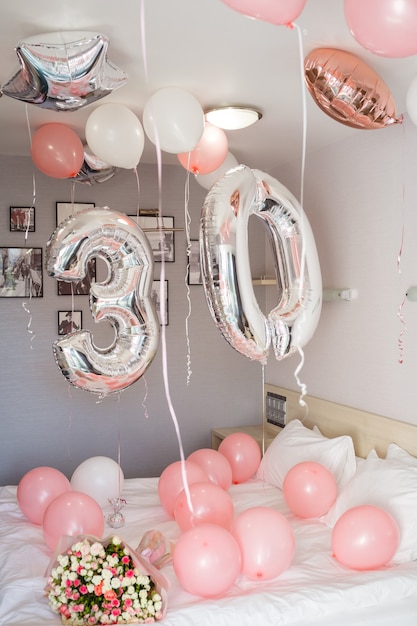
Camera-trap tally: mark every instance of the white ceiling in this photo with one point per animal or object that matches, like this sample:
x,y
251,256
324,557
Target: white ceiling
x,y
207,49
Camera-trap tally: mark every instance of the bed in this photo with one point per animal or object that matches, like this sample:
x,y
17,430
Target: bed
x,y
315,589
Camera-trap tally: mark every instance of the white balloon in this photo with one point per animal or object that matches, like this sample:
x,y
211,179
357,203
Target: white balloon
x,y
115,135
173,120
411,101
99,477
208,180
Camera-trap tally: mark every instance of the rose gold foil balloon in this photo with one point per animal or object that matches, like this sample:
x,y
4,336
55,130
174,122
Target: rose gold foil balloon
x,y
348,90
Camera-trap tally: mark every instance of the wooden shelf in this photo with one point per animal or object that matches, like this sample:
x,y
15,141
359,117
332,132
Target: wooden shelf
x,y
264,281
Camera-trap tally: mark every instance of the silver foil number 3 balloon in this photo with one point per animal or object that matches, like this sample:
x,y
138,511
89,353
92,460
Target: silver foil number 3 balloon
x,y
124,299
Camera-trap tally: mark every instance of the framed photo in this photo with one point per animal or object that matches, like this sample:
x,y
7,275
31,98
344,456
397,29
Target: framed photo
x,y
161,234
82,287
65,209
195,276
21,273
22,219
156,299
69,322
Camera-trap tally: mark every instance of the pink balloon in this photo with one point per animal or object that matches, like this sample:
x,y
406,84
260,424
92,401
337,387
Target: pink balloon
x,y
210,504
57,151
280,12
171,482
207,560
72,514
215,464
385,27
266,542
243,454
365,538
309,489
209,153
38,488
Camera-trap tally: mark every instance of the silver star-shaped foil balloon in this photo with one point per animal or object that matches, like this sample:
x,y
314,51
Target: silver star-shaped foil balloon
x,y
64,71
94,170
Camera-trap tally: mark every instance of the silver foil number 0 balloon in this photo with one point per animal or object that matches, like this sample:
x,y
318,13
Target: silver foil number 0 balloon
x,y
227,279
124,299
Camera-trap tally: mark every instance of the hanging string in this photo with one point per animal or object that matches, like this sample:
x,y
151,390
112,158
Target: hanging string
x,y
303,386
143,39
138,190
69,390
399,259
32,207
402,332
263,407
163,337
116,518
145,397
29,214
162,286
304,111
29,324
28,279
298,369
72,197
119,454
187,221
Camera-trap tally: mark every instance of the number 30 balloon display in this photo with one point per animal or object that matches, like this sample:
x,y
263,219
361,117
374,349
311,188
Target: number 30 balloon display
x,y
124,299
243,192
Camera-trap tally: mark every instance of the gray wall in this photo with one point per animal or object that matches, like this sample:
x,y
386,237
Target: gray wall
x,y
361,199
46,421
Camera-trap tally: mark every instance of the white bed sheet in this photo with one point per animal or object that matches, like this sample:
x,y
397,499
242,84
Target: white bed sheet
x,y
314,590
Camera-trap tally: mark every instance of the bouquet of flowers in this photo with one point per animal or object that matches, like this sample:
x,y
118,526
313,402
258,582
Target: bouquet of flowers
x,y
105,582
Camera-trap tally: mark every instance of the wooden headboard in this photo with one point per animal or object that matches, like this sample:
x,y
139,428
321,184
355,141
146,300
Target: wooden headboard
x,y
367,430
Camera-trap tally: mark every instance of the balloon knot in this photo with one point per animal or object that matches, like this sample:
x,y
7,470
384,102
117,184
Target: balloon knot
x,y
290,25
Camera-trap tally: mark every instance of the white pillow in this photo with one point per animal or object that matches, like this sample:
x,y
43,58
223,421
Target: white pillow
x,y
296,443
390,484
399,454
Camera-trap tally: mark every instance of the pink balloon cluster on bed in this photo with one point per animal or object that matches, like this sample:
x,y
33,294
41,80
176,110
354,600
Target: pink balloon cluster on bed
x,y
216,545
69,507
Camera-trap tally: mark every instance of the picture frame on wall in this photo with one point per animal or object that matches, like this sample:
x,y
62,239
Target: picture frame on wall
x,y
66,209
21,273
22,219
81,287
195,276
156,299
160,232
69,322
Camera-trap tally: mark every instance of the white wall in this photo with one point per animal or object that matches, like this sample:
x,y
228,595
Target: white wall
x,y
46,421
360,196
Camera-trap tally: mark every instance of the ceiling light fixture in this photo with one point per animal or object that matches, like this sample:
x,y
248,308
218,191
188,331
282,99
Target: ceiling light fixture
x,y
232,117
